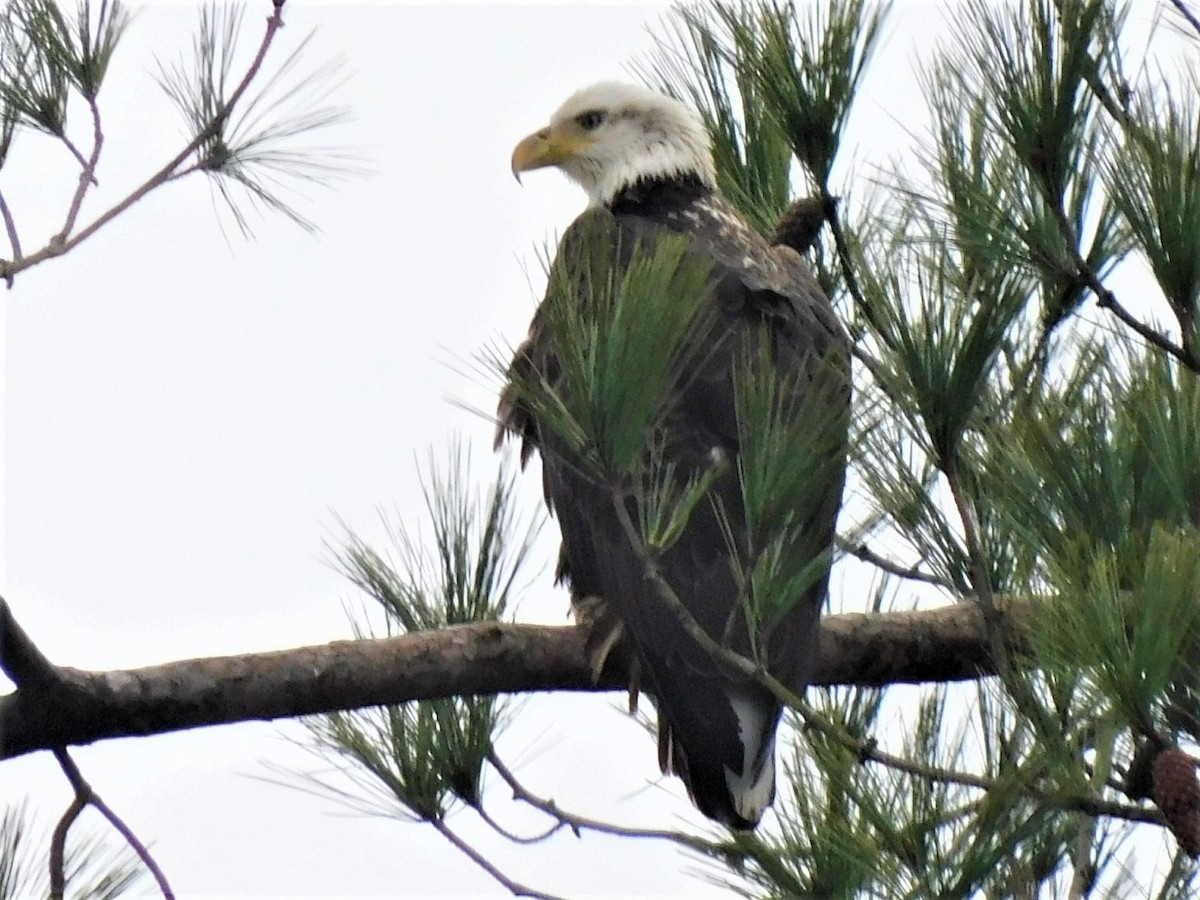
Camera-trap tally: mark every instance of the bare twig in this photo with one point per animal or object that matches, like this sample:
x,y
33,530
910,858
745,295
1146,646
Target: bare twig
x,y
85,795
491,822
581,823
846,261
75,152
87,177
513,887
867,750
1116,109
970,525
1009,676
58,846
1184,10
1106,299
867,555
14,239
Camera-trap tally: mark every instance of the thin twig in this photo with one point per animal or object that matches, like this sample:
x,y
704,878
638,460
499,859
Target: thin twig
x,y
75,152
842,245
868,751
1099,89
14,240
58,846
580,823
867,555
87,177
513,887
1187,13
970,526
1106,299
865,750
163,175
513,837
683,615
84,792
1025,699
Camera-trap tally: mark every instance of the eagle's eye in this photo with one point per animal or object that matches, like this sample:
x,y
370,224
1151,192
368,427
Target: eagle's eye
x,y
590,120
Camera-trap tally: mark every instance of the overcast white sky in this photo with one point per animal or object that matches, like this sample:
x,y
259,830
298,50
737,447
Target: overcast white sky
x,y
186,414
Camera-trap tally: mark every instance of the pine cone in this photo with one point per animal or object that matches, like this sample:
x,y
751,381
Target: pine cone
x,y
1177,794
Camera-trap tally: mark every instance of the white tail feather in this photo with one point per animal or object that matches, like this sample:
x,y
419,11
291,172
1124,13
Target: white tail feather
x,y
753,788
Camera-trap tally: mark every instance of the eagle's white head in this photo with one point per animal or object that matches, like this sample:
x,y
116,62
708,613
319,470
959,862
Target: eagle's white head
x,y
611,135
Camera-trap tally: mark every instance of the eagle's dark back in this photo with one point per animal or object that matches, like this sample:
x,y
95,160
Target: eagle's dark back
x,y
716,726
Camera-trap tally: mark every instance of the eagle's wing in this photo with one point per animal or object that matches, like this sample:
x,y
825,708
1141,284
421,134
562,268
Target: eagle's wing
x,y
716,727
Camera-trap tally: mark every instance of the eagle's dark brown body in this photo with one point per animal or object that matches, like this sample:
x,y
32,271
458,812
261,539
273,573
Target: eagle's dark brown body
x,y
716,727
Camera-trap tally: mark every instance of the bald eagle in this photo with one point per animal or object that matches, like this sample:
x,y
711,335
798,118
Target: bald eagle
x,y
645,161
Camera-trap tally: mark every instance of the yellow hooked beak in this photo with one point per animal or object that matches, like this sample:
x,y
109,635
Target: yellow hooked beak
x,y
548,147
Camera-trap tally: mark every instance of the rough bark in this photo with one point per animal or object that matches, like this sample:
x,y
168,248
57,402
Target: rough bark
x,y
79,707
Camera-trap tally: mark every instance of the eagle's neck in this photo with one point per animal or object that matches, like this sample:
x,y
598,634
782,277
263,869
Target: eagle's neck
x,y
659,195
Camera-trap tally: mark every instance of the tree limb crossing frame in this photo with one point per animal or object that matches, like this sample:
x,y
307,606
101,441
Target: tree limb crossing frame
x,y
74,706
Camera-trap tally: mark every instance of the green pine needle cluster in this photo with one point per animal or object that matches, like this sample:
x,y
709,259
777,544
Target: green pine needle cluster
x,y
623,339
666,498
46,54
418,759
810,61
709,69
790,450
1154,181
255,153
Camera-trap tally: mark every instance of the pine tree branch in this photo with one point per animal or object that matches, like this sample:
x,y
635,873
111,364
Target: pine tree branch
x,y
1106,299
74,151
970,527
1084,877
71,706
512,836
20,659
868,751
846,260
78,707
63,243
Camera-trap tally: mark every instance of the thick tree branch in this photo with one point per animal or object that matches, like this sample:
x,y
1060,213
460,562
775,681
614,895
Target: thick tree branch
x,y
20,659
79,707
